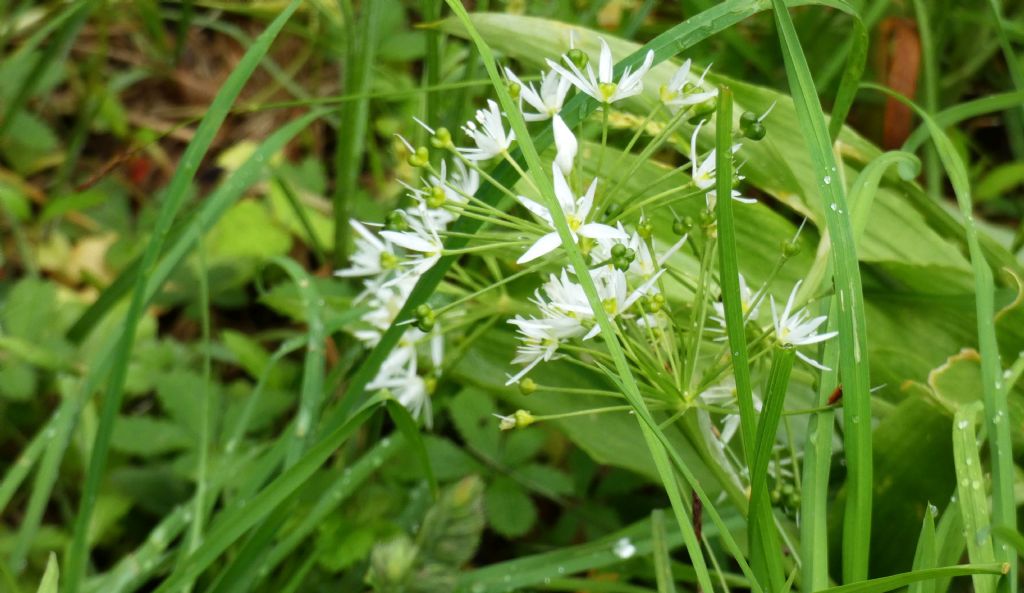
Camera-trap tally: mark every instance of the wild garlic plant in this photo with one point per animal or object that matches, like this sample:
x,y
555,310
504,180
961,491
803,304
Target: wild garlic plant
x,y
661,294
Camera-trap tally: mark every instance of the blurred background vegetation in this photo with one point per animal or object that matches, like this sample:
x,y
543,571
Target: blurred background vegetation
x,y
99,101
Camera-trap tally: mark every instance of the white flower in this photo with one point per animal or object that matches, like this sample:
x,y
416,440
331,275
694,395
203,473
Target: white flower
x,y
704,173
422,237
386,301
674,95
616,298
576,211
798,328
602,86
372,257
549,100
490,137
565,145
540,339
400,378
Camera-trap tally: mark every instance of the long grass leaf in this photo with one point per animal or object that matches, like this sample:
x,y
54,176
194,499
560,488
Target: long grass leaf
x,y
997,415
235,522
814,494
926,556
355,118
660,552
766,552
853,350
971,493
175,196
893,582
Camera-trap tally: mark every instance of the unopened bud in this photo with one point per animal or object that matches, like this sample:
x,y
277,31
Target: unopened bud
x,y
527,386
442,138
436,196
514,88
420,158
578,58
396,222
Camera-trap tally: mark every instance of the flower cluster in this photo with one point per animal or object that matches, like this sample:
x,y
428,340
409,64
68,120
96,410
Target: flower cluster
x,y
627,262
390,263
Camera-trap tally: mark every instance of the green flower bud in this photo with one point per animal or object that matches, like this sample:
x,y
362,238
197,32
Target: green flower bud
x,y
618,250
436,196
396,222
645,229
630,254
442,138
527,386
756,131
620,263
578,58
789,249
514,88
681,226
421,158
523,418
748,118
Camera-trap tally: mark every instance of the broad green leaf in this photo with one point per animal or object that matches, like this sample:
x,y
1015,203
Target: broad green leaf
x,y
510,511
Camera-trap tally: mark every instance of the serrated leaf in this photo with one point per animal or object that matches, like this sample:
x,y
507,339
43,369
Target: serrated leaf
x,y
510,511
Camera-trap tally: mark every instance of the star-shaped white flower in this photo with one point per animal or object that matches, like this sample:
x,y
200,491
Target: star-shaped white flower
x,y
576,211
798,328
548,100
704,173
372,256
422,237
603,86
674,95
490,136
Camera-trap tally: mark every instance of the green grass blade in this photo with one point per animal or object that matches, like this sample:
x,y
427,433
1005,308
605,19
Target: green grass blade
x,y
950,535
971,495
660,550
891,583
312,393
175,196
926,555
964,111
853,349
814,493
930,82
408,428
766,551
48,584
729,273
355,117
59,45
236,521
345,483
850,80
997,423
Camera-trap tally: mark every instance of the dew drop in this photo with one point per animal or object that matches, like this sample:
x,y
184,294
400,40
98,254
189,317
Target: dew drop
x,y
827,179
962,425
624,548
